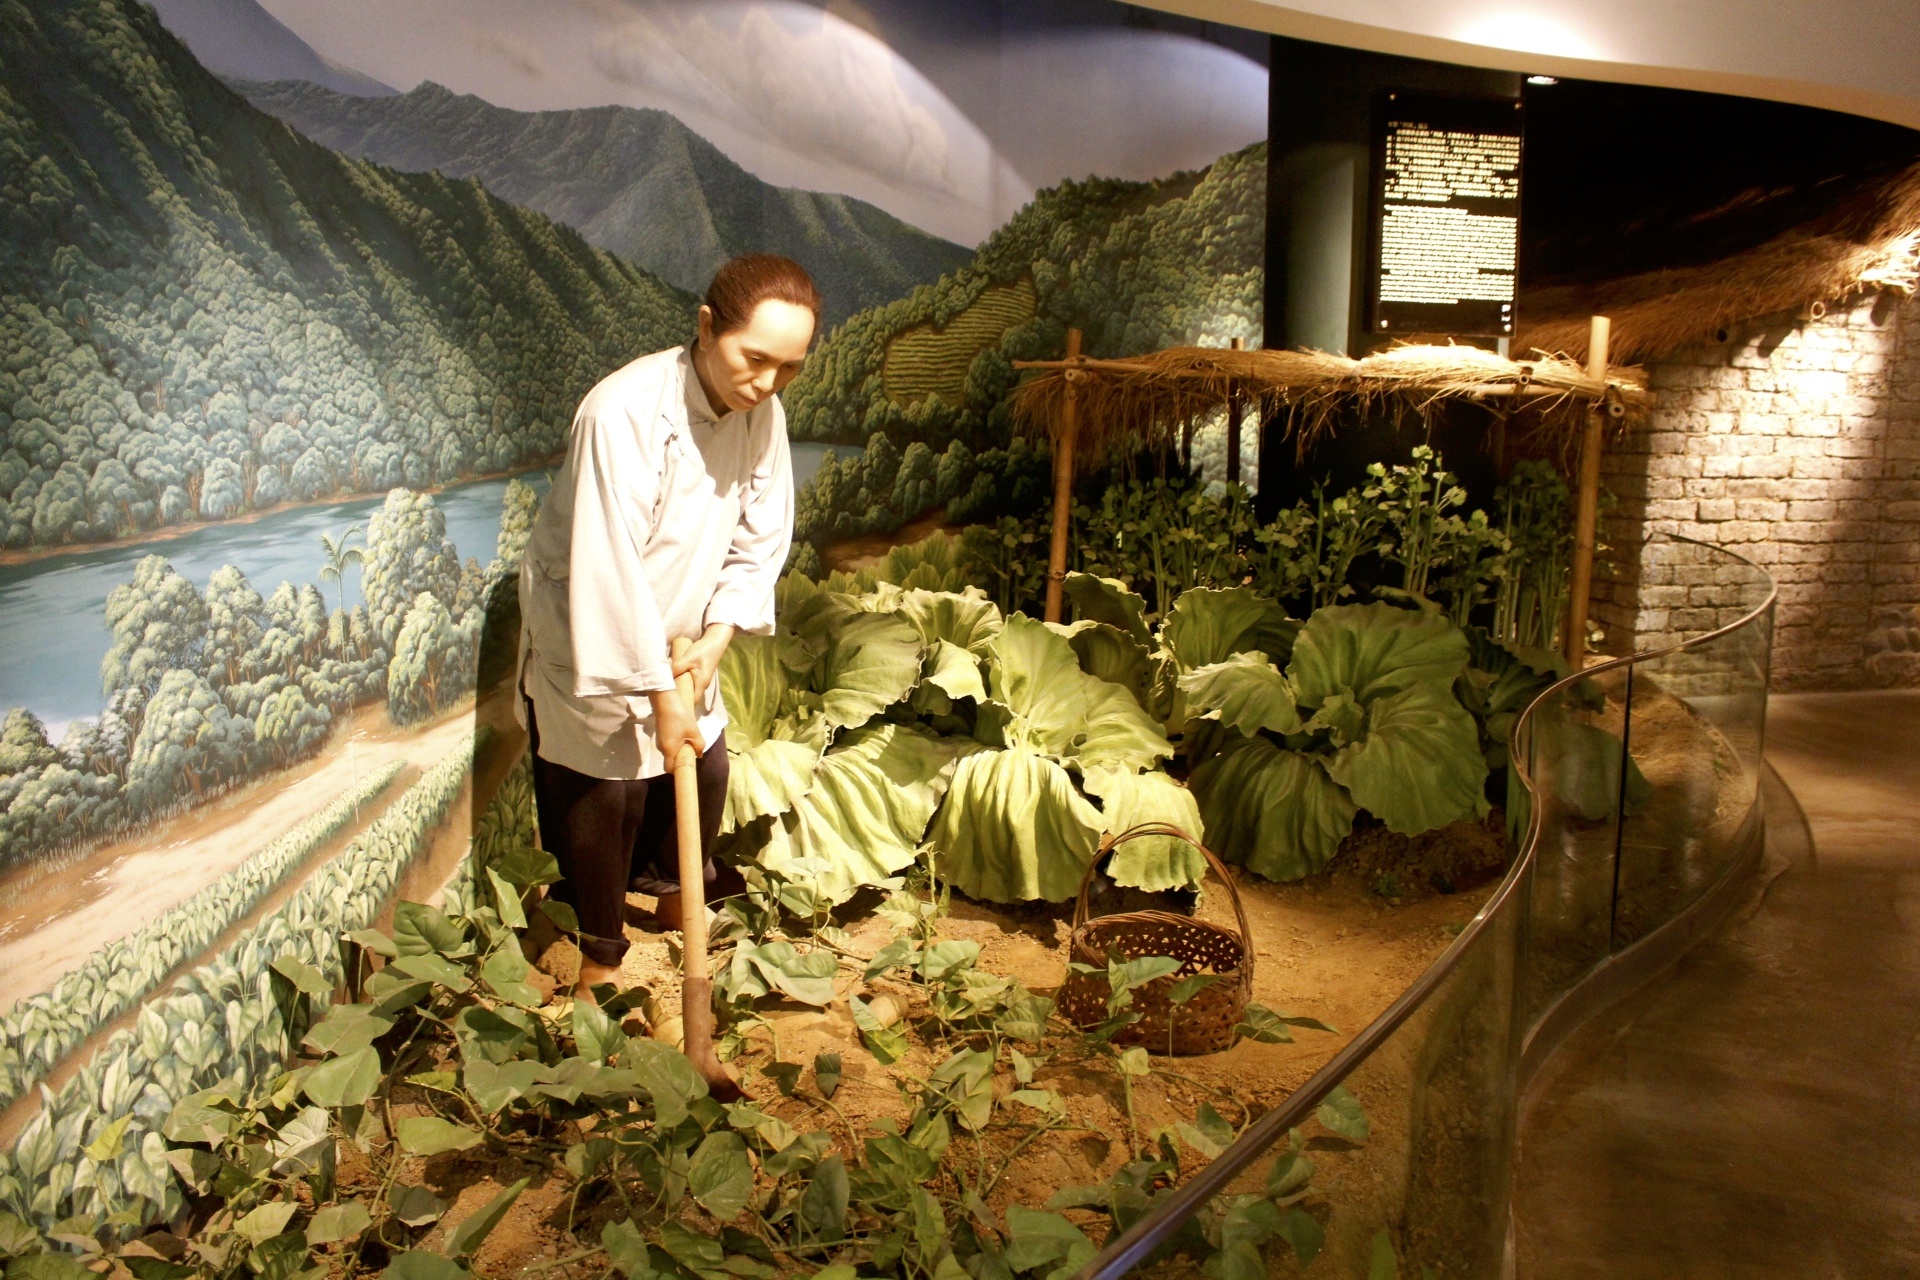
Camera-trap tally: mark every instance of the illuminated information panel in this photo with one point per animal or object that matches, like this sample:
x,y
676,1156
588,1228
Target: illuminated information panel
x,y
1446,216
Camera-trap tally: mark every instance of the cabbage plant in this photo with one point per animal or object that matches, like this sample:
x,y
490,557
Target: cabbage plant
x,y
1363,717
882,723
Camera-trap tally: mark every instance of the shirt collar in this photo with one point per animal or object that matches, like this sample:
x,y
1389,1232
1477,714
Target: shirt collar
x,y
699,409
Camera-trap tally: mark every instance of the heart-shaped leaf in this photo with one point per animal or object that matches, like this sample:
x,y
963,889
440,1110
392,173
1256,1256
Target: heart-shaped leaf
x,y
338,1222
721,1176
430,1135
345,1081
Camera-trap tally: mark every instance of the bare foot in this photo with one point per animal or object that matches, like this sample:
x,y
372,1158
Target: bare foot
x,y
591,975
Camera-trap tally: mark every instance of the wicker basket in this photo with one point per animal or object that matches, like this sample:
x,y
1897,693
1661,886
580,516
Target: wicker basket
x,y
1203,1024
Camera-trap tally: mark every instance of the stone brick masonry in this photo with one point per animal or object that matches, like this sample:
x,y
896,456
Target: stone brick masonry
x,y
1797,446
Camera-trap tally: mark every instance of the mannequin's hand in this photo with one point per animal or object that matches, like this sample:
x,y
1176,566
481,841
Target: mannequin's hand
x,y
702,658
675,726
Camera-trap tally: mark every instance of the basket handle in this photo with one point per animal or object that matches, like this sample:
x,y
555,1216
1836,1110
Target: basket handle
x,y
1109,842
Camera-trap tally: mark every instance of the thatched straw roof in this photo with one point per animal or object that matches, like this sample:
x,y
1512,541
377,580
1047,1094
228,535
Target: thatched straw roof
x,y
1868,242
1142,401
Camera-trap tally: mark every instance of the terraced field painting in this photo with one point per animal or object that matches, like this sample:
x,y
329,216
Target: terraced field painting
x,y
296,302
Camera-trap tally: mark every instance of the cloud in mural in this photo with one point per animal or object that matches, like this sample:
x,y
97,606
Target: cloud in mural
x,y
806,79
520,54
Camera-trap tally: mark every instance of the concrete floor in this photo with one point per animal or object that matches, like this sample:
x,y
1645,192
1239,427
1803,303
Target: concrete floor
x,y
1755,1111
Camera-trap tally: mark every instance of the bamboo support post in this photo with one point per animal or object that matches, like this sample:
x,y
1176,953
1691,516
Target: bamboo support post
x,y
1587,511
1063,442
1233,424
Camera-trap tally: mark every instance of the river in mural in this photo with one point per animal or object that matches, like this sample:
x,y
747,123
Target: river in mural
x,y
54,606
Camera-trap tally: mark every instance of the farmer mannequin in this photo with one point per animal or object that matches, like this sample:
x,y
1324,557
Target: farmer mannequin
x,y
670,518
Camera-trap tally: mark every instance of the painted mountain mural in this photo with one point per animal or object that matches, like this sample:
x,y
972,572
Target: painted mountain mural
x,y
634,182
240,38
203,313
923,382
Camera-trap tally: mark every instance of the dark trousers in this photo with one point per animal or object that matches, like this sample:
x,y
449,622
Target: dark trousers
x,y
610,833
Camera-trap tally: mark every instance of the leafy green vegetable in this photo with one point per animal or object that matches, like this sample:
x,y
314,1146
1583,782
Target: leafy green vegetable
x,y
770,753
1244,692
1208,626
1154,863
868,806
1418,766
1368,650
721,1175
871,661
1277,812
1014,827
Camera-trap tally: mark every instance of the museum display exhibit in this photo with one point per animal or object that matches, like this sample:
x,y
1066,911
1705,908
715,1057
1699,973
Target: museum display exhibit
x,y
1322,602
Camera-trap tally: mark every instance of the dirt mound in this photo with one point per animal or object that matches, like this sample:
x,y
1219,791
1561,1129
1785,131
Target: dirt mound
x,y
1449,859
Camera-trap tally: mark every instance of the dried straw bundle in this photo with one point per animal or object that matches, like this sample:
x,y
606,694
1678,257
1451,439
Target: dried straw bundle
x,y
1867,242
1142,401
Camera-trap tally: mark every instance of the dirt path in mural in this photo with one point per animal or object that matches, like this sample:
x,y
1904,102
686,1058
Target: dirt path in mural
x,y
50,923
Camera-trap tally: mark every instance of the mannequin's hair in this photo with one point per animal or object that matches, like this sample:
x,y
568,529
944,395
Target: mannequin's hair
x,y
743,283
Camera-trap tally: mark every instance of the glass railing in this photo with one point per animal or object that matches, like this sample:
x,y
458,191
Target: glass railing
x,y
1636,788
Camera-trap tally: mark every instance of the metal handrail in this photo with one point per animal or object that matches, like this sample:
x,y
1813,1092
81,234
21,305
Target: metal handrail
x,y
1139,1241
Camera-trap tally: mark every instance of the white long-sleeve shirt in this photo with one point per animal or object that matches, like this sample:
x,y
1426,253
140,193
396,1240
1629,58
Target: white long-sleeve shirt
x,y
664,518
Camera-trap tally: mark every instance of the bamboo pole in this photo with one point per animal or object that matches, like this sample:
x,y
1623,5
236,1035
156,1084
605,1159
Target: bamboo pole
x,y
1587,512
1063,442
1233,423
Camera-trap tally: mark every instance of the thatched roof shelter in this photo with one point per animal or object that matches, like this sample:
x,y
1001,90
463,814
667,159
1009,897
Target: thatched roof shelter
x,y
1143,401
1867,241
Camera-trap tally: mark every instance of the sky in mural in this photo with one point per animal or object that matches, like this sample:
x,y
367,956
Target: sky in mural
x,y
949,115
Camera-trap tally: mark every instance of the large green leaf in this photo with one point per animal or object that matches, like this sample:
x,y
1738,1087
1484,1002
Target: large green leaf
x,y
812,618
1245,692
1275,811
1209,626
1418,766
1110,654
772,745
1119,733
1037,677
868,808
1059,710
870,663
1013,828
1153,863
1374,649
954,671
968,621
753,683
1107,600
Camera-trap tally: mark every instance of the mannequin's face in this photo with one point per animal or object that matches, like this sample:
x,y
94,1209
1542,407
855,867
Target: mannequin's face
x,y
745,366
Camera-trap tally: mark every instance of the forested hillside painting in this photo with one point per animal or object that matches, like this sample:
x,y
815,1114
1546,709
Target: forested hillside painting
x,y
285,363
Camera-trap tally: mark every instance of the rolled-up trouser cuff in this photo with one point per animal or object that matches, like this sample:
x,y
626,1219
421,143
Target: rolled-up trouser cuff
x,y
605,951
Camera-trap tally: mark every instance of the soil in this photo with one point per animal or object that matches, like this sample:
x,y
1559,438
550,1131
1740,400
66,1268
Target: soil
x,y
1338,947
1401,868
1328,948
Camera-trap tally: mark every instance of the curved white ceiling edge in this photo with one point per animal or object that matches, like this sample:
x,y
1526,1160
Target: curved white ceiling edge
x,y
1853,56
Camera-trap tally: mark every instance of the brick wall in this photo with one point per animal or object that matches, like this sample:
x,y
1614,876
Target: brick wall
x,y
1797,446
